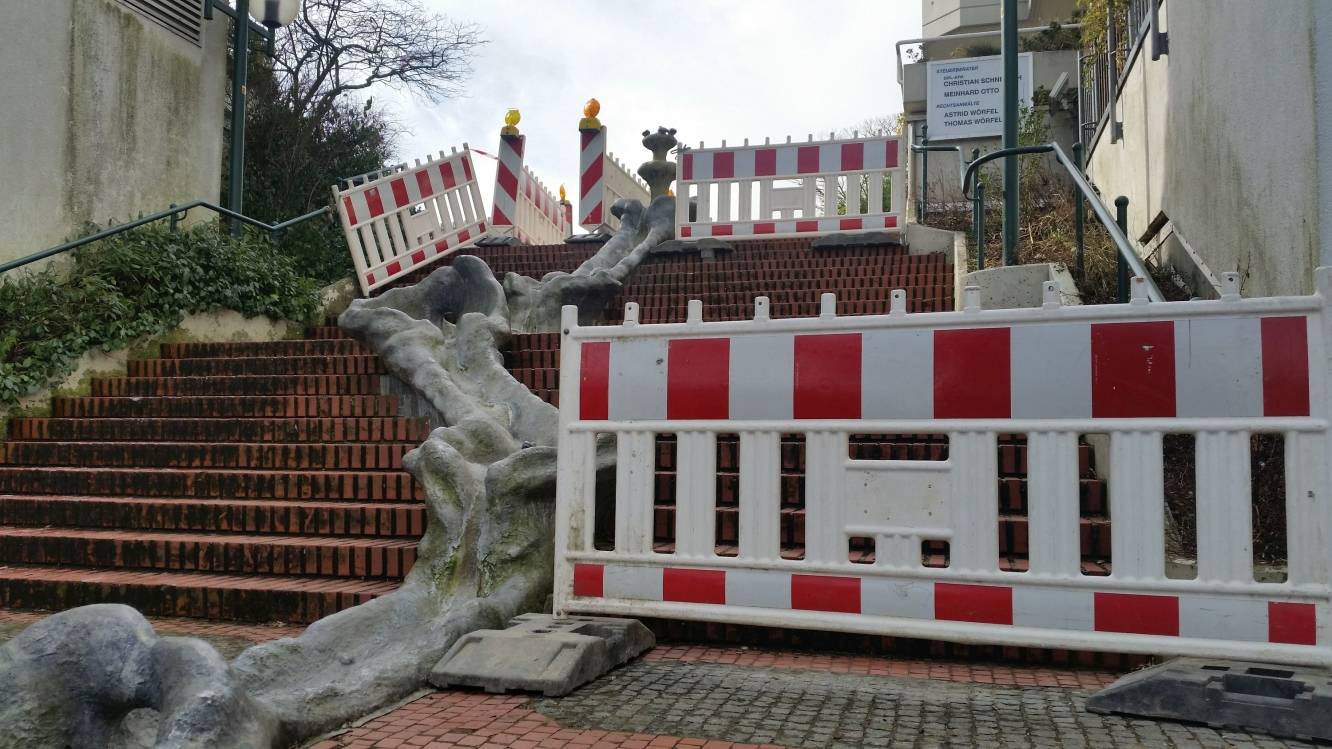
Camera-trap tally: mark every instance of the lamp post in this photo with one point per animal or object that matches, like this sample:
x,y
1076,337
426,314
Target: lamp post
x,y
273,14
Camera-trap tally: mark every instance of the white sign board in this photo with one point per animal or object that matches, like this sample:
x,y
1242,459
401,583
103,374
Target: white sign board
x,y
966,96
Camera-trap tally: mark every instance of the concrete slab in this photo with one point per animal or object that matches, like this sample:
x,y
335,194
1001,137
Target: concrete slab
x,y
541,653
1284,701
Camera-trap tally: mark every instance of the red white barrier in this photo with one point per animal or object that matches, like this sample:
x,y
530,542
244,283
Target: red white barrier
x,y
1221,370
791,189
524,208
399,219
602,181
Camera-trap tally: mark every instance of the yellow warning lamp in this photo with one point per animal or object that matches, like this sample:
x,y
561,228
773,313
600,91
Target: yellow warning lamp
x,y
590,111
670,193
563,197
511,120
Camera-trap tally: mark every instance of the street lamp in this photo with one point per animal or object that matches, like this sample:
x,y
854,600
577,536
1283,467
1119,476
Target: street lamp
x,y
275,13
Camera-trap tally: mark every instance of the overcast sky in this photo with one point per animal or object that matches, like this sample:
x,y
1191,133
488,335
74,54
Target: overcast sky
x,y
720,69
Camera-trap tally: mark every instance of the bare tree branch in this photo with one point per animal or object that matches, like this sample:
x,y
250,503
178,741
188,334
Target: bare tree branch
x,y
339,46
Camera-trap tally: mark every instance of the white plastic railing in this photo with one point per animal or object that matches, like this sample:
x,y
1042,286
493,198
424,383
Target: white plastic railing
x,y
1221,370
399,219
791,189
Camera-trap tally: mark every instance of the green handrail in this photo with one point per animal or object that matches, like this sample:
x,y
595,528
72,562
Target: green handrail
x,y
1112,226
175,213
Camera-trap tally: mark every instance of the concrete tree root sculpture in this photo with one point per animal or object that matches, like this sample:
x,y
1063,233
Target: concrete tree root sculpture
x,y
99,676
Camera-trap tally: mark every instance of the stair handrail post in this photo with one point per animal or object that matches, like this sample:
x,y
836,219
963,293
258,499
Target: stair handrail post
x,y
980,226
1079,217
1122,270
925,174
1010,88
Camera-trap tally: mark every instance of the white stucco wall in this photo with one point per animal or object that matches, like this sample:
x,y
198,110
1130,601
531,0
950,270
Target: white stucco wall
x,y
106,115
1221,136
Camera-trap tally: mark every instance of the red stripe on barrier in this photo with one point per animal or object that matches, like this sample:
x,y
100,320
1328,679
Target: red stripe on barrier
x,y
825,593
418,257
1133,369
685,231
591,177
723,165
423,184
688,167
370,279
1292,623
693,586
393,268
594,381
507,180
986,604
1137,614
1285,366
807,159
373,202
464,235
961,391
586,137
768,228
515,142
446,173
351,212
803,226
890,222
827,376
589,580
853,157
698,378
467,168
722,230
890,155
499,219
441,246
400,197
765,162
851,223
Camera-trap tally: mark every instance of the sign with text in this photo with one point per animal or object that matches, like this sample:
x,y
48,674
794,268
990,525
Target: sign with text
x,y
966,96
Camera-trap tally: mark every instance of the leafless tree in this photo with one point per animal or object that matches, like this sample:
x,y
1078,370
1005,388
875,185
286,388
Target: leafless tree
x,y
337,47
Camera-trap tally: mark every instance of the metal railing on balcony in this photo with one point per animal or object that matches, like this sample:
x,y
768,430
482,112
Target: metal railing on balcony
x,y
1101,68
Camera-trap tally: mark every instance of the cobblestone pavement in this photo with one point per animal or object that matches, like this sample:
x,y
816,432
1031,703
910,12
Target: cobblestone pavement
x,y
229,638
723,697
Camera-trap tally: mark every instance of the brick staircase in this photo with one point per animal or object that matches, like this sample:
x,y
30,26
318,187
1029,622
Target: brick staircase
x,y
248,481
263,481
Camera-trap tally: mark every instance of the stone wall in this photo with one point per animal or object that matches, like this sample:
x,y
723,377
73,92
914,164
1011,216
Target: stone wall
x,y
105,115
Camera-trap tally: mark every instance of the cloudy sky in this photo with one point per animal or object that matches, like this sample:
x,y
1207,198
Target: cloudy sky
x,y
714,70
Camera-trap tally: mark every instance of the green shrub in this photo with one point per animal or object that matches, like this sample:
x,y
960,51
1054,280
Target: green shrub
x,y
318,250
137,284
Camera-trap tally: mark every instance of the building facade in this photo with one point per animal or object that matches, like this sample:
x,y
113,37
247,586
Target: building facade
x,y
112,108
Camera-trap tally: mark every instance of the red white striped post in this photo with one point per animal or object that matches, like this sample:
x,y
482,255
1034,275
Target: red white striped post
x,y
508,173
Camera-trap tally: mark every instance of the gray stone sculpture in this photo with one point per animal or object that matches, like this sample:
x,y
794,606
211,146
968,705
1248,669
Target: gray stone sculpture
x,y
99,676
660,171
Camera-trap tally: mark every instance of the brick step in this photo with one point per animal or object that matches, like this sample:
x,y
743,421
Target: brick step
x,y
404,519
1013,538
531,358
551,396
346,364
216,553
1012,492
537,379
365,486
720,298
252,598
226,406
329,430
250,386
327,333
349,456
249,349
535,341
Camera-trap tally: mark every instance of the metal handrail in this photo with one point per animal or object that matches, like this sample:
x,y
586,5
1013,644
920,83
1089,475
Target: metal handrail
x,y
1103,214
175,213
